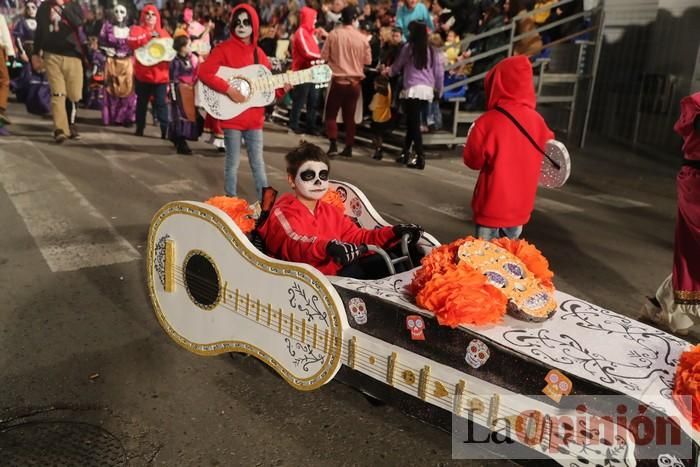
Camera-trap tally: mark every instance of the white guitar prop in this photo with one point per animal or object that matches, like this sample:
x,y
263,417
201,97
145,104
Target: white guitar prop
x,y
214,292
257,84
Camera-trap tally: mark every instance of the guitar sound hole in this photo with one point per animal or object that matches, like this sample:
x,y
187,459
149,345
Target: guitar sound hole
x,y
202,281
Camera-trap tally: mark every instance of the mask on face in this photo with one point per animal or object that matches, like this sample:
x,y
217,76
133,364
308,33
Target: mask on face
x,y
312,180
151,18
119,14
242,25
31,10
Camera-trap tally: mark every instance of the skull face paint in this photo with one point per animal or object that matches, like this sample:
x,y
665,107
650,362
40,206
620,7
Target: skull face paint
x,y
312,180
151,18
242,25
119,14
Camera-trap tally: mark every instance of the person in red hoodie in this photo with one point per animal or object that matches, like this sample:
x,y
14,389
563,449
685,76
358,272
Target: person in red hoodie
x,y
150,80
504,195
304,51
303,229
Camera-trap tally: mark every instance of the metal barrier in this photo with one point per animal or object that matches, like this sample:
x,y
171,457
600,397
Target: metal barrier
x,y
542,76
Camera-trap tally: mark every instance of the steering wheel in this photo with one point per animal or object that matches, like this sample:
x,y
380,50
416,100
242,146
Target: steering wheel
x,y
406,256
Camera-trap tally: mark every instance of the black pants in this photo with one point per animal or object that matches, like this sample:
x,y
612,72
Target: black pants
x,y
304,95
144,91
413,109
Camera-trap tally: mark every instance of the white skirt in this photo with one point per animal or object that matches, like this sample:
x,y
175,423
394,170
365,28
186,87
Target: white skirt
x,y
419,91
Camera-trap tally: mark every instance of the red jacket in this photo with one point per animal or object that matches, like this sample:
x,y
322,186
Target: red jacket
x,y
304,46
140,35
293,233
235,53
504,195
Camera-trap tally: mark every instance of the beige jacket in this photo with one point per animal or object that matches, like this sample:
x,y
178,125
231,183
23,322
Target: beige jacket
x,y
6,38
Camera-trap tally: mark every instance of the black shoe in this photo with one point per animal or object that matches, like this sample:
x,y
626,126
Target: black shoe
x,y
377,154
128,124
403,158
163,134
314,132
332,149
59,136
184,149
74,132
347,151
416,162
139,132
220,149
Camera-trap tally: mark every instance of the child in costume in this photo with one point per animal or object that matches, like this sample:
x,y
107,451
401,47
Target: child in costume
x,y
183,120
510,165
95,75
302,228
381,113
237,52
151,81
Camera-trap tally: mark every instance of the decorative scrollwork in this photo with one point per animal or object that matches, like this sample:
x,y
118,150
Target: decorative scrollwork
x,y
159,258
306,304
302,354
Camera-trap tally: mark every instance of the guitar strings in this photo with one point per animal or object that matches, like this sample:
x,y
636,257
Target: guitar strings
x,y
359,349
509,412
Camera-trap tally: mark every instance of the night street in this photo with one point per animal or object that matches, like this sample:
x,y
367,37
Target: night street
x,y
79,340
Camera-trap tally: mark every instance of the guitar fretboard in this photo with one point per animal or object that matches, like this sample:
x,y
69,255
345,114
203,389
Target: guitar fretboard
x,y
273,82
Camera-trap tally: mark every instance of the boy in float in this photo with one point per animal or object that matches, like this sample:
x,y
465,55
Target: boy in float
x,y
237,52
504,195
301,228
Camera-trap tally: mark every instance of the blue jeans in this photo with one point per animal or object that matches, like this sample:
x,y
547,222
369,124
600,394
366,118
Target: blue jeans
x,y
304,95
254,144
487,233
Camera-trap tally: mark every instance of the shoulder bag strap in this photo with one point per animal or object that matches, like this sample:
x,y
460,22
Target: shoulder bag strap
x,y
527,135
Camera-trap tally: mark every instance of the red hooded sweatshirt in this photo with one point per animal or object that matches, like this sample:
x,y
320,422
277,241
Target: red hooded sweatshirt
x,y
304,46
234,53
294,233
504,195
140,35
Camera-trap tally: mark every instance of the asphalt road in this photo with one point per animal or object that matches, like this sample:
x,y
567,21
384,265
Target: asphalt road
x,y
79,341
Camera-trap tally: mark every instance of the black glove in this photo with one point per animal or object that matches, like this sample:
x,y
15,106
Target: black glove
x,y
344,253
413,230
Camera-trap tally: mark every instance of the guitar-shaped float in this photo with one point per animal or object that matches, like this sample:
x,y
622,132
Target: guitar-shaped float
x,y
214,292
257,84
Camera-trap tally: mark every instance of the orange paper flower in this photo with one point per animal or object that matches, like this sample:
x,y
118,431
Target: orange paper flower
x,y
460,295
686,387
237,209
333,198
533,259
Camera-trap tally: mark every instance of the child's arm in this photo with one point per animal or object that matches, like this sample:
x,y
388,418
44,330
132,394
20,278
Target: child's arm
x,y
474,155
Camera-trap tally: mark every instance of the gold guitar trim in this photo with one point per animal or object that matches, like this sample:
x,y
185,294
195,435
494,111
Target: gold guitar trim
x,y
332,349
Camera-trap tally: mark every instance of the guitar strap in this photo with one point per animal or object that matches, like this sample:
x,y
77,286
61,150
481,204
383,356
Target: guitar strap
x,y
255,55
527,135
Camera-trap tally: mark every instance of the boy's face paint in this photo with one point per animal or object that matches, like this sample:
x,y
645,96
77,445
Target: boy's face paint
x,y
311,181
242,25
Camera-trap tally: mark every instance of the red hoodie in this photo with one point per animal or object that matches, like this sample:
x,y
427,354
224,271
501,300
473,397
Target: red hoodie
x,y
234,53
140,35
304,46
293,233
504,195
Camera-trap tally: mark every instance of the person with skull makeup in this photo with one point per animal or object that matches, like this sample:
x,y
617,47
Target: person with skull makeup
x,y
23,32
58,49
302,228
151,81
239,51
119,106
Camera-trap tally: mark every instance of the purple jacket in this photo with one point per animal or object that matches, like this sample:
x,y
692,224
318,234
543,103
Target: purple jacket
x,y
432,75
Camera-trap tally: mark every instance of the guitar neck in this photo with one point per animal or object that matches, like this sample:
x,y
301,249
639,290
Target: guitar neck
x,y
273,82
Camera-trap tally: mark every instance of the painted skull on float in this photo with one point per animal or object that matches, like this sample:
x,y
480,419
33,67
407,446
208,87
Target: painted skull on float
x,y
558,385
242,25
477,353
358,310
416,325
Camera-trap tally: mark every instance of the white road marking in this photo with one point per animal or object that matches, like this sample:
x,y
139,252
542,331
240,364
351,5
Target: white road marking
x,y
550,206
175,187
616,201
70,233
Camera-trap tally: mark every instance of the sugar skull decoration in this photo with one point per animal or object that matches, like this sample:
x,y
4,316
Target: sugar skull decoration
x,y
667,460
527,298
558,385
416,325
356,207
358,310
342,192
477,353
